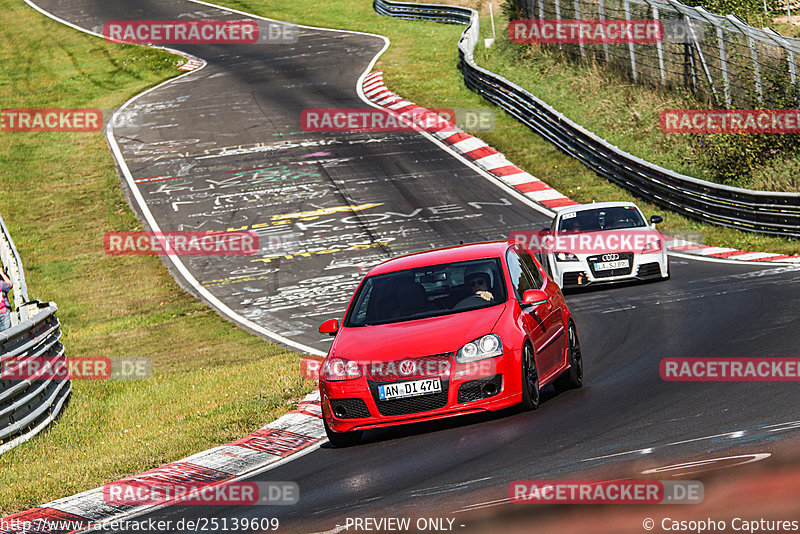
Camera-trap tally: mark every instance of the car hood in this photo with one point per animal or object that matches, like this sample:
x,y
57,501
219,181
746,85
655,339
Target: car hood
x,y
420,337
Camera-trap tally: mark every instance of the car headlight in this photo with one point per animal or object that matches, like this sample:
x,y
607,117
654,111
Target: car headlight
x,y
487,346
340,369
566,256
652,246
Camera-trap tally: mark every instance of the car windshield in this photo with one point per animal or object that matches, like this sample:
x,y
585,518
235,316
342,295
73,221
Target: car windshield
x,y
427,292
592,220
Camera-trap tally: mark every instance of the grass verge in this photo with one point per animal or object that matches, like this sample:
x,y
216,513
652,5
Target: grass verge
x,y
59,194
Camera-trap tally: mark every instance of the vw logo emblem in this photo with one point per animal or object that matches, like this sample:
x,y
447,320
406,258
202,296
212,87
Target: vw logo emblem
x,y
610,257
407,367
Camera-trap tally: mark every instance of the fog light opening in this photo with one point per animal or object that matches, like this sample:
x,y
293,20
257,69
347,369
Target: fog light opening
x,y
489,389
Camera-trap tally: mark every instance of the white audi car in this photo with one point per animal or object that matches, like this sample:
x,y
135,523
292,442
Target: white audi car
x,y
603,242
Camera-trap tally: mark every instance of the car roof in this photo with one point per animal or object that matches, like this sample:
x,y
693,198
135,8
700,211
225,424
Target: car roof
x,y
594,205
474,251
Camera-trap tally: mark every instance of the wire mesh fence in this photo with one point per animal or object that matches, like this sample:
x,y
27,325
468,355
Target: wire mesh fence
x,y
719,58
792,8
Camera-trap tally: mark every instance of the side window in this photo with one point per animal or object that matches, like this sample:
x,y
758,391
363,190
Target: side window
x,y
520,279
533,270
358,313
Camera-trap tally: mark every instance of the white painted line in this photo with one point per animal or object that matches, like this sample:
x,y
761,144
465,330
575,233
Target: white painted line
x,y
698,257
484,504
714,250
642,451
748,459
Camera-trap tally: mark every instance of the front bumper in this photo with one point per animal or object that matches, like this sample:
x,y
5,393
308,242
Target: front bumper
x,y
582,273
486,385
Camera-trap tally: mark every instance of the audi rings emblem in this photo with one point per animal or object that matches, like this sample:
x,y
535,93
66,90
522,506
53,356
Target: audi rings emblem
x,y
610,257
407,367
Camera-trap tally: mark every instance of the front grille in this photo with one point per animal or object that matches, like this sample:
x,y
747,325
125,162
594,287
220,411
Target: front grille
x,y
349,408
571,279
649,270
421,403
435,365
612,272
473,390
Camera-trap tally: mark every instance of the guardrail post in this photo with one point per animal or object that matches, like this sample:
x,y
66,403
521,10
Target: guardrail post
x,y
601,12
723,63
557,5
756,70
660,52
689,70
630,43
578,16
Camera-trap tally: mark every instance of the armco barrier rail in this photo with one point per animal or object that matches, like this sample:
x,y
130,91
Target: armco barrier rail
x,y
28,406
754,211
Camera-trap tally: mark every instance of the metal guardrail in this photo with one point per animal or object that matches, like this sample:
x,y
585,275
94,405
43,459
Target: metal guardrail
x,y
9,258
754,211
28,406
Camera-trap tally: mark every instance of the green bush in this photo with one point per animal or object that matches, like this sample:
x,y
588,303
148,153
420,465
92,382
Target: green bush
x,y
733,158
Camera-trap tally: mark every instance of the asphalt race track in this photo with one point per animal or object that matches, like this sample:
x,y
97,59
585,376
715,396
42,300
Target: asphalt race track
x,y
222,148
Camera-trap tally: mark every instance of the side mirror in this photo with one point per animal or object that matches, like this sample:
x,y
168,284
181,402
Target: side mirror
x,y
655,219
330,327
534,297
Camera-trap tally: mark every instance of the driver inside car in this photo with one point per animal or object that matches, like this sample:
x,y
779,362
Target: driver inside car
x,y
479,285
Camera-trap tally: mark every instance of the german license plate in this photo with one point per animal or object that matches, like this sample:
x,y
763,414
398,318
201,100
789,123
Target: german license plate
x,y
410,389
609,265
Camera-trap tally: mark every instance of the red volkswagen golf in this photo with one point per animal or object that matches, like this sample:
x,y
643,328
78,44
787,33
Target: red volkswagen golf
x,y
446,332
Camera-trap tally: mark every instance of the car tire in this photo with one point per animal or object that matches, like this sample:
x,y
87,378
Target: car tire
x,y
572,377
668,274
530,380
340,440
